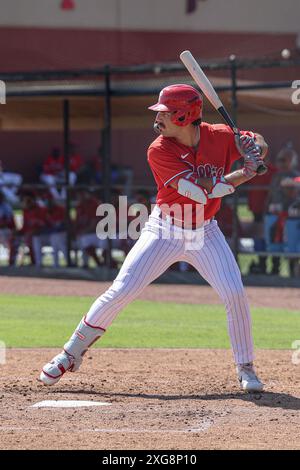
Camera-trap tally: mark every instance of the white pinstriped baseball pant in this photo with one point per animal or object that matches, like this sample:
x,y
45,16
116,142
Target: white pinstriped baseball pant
x,y
152,255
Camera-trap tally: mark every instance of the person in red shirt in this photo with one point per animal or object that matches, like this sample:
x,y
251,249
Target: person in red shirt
x,y
7,223
257,197
85,227
54,170
35,223
257,203
225,219
10,185
279,200
54,233
76,161
54,163
191,162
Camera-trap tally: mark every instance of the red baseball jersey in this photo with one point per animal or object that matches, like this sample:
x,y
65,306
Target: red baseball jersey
x,y
214,157
76,162
56,215
86,218
6,216
35,219
53,166
257,197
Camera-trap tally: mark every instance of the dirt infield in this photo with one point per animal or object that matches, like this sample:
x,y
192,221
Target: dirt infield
x,y
160,399
258,296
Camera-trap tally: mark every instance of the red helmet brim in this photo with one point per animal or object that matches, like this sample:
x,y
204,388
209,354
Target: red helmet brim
x,y
159,107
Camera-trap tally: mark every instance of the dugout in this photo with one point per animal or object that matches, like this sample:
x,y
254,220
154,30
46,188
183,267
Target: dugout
x,y
108,107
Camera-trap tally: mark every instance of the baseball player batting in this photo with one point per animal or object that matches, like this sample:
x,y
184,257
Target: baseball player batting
x,y
191,162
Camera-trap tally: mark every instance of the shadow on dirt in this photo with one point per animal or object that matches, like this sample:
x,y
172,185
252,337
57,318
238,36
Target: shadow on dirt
x,y
265,399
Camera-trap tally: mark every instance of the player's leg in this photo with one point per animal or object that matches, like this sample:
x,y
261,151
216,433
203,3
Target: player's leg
x,y
72,178
58,241
91,251
38,241
13,181
10,194
216,263
85,244
146,261
149,258
14,244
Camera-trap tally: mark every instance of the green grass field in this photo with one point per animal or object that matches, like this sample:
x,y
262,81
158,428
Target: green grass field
x,y
40,321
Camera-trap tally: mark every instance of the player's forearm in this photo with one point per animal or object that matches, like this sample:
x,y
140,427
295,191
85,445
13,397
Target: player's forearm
x,y
202,189
251,165
237,177
205,183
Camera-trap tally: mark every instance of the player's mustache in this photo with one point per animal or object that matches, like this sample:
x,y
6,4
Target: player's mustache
x,y
158,126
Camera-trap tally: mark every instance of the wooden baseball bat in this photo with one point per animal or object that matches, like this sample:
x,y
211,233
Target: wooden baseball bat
x,y
208,90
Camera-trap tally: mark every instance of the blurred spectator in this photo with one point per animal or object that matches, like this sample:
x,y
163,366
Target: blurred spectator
x,y
123,175
7,223
35,222
96,167
9,185
292,223
93,173
76,162
85,227
143,197
257,203
225,219
280,198
120,175
140,206
257,197
54,234
116,243
54,170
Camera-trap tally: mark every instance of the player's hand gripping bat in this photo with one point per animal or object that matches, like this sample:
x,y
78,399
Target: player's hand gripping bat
x,y
204,84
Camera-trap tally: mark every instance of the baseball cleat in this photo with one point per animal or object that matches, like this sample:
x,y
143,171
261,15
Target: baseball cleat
x,y
249,381
53,371
70,358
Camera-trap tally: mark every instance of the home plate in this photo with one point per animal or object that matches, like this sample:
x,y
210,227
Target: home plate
x,y
68,404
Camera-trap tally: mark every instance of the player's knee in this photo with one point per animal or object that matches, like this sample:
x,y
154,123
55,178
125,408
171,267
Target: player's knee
x,y
118,292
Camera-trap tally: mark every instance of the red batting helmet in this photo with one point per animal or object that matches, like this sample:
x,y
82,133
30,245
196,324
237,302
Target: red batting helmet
x,y
183,101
